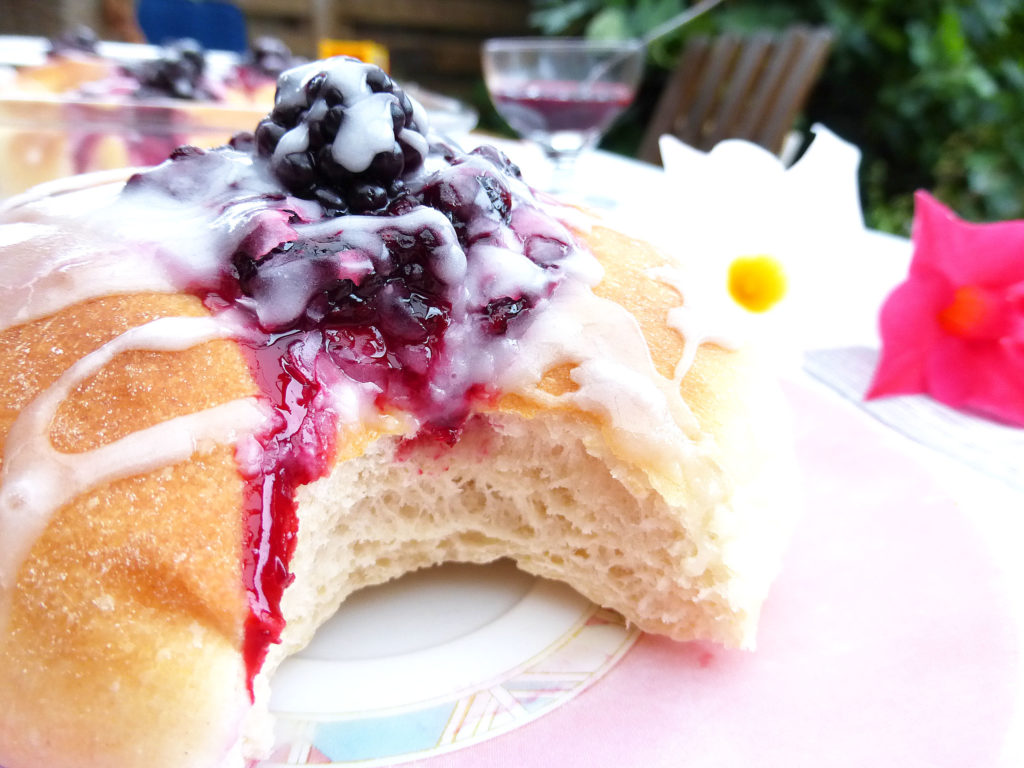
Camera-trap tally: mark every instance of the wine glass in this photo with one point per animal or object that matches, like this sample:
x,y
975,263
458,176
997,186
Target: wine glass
x,y
561,93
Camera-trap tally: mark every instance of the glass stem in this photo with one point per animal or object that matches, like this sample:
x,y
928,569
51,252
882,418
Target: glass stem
x,y
563,165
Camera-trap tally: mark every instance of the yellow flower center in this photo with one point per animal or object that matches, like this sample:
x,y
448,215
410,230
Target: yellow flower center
x,y
757,283
975,313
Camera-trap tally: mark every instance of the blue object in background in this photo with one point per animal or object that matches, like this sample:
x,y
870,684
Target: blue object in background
x,y
214,24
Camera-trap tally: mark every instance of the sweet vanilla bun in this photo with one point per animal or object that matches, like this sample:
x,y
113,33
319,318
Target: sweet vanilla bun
x,y
237,389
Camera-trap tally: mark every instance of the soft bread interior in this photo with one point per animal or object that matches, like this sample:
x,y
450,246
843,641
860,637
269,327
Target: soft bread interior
x,y
543,486
544,491
511,487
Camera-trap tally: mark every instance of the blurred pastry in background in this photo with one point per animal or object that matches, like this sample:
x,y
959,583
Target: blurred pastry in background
x,y
86,108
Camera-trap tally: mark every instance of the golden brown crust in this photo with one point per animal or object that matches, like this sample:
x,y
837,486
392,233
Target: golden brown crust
x,y
627,264
62,74
713,385
132,579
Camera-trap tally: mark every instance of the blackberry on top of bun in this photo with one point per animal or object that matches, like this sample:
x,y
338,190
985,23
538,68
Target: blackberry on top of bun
x,y
343,133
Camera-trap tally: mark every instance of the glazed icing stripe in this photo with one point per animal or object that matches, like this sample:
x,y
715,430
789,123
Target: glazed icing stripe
x,y
74,277
65,185
648,424
694,326
37,479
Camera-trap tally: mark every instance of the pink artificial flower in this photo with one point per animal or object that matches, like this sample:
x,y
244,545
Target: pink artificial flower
x,y
955,328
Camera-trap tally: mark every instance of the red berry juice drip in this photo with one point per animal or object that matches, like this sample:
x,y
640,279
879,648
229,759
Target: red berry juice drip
x,y
296,449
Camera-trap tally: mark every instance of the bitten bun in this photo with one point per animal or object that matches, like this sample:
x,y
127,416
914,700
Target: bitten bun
x,y
552,486
594,440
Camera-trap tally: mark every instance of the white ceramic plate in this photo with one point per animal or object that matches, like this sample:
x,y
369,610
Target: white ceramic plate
x,y
436,661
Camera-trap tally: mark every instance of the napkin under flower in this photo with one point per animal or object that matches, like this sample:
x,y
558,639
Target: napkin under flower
x,y
954,329
777,247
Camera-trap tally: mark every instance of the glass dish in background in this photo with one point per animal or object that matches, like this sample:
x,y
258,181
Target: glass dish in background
x,y
448,116
50,128
50,137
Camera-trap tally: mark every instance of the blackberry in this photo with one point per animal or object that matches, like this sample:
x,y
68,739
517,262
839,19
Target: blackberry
x,y
499,159
474,194
80,38
499,312
178,72
343,133
186,150
243,141
270,56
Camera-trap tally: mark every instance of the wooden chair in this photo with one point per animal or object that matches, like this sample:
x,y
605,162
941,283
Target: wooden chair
x,y
732,86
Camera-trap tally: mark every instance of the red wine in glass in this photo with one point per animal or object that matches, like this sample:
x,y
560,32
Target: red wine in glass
x,y
561,94
553,106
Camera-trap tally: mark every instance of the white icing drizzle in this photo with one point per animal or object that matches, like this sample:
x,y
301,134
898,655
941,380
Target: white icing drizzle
x,y
364,233
348,77
498,271
695,324
101,244
295,140
78,270
422,121
367,128
20,231
49,192
648,422
415,139
37,479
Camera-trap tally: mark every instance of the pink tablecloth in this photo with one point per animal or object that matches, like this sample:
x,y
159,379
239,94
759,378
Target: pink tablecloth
x,y
887,641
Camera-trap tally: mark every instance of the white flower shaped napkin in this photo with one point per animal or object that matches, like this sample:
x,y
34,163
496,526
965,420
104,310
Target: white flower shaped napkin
x,y
781,251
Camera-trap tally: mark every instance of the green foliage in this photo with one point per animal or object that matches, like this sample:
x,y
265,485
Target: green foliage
x,y
612,20
932,91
